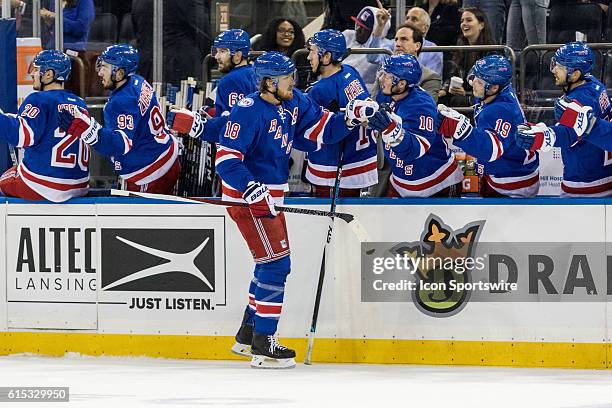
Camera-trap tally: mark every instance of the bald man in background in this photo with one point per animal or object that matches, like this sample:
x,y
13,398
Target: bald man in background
x,y
421,19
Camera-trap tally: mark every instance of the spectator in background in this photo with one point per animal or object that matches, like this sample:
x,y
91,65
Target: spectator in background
x,y
526,20
339,14
78,16
365,24
431,60
444,16
120,9
15,4
295,10
408,40
474,31
604,4
285,35
18,9
495,10
187,39
142,16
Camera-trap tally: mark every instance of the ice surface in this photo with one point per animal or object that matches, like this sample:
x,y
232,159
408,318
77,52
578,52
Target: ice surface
x,y
137,382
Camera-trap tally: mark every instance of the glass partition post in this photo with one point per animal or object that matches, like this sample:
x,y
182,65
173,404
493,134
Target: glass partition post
x,y
59,25
158,53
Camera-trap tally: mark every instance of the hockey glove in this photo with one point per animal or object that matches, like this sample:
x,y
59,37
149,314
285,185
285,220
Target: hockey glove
x,y
453,124
187,122
80,124
260,201
208,112
535,137
64,119
358,111
578,117
389,125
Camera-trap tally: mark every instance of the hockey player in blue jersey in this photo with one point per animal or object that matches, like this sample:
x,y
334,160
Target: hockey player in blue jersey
x,y
577,123
508,170
587,169
422,164
55,164
230,49
253,162
339,84
134,136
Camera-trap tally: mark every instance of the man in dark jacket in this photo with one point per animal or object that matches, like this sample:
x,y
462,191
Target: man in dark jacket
x,y
187,37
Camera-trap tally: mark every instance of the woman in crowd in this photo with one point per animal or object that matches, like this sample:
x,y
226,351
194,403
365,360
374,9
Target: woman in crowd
x,y
285,35
475,30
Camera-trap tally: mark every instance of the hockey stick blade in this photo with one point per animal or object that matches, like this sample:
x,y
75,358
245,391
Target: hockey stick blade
x,y
359,230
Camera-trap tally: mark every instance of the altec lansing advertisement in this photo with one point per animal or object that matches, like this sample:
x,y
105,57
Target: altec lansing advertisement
x,y
60,269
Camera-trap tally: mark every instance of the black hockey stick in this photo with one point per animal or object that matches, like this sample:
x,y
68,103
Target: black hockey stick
x,y
317,304
355,225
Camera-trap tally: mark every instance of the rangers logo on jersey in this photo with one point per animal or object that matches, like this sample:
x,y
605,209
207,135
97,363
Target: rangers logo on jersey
x,y
245,102
353,89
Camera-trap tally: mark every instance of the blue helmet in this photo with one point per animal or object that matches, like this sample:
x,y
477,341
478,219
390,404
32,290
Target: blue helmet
x,y
574,56
121,56
54,60
234,40
404,67
493,70
272,64
331,41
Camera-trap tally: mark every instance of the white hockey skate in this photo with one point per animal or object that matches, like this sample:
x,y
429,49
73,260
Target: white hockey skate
x,y
272,363
243,350
268,353
244,338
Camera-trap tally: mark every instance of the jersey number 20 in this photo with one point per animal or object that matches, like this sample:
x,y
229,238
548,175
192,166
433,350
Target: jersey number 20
x,y
60,156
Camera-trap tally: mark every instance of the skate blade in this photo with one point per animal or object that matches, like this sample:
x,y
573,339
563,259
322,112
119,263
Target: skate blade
x,y
272,363
243,350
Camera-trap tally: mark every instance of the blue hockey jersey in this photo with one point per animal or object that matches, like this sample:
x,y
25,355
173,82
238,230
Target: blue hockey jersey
x,y
55,164
359,153
511,171
234,86
600,135
135,135
422,164
259,136
587,170
237,83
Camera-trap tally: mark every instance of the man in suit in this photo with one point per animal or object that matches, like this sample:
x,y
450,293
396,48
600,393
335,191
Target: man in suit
x,y
408,40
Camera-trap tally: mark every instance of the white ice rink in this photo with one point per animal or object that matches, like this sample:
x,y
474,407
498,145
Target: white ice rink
x,y
138,382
